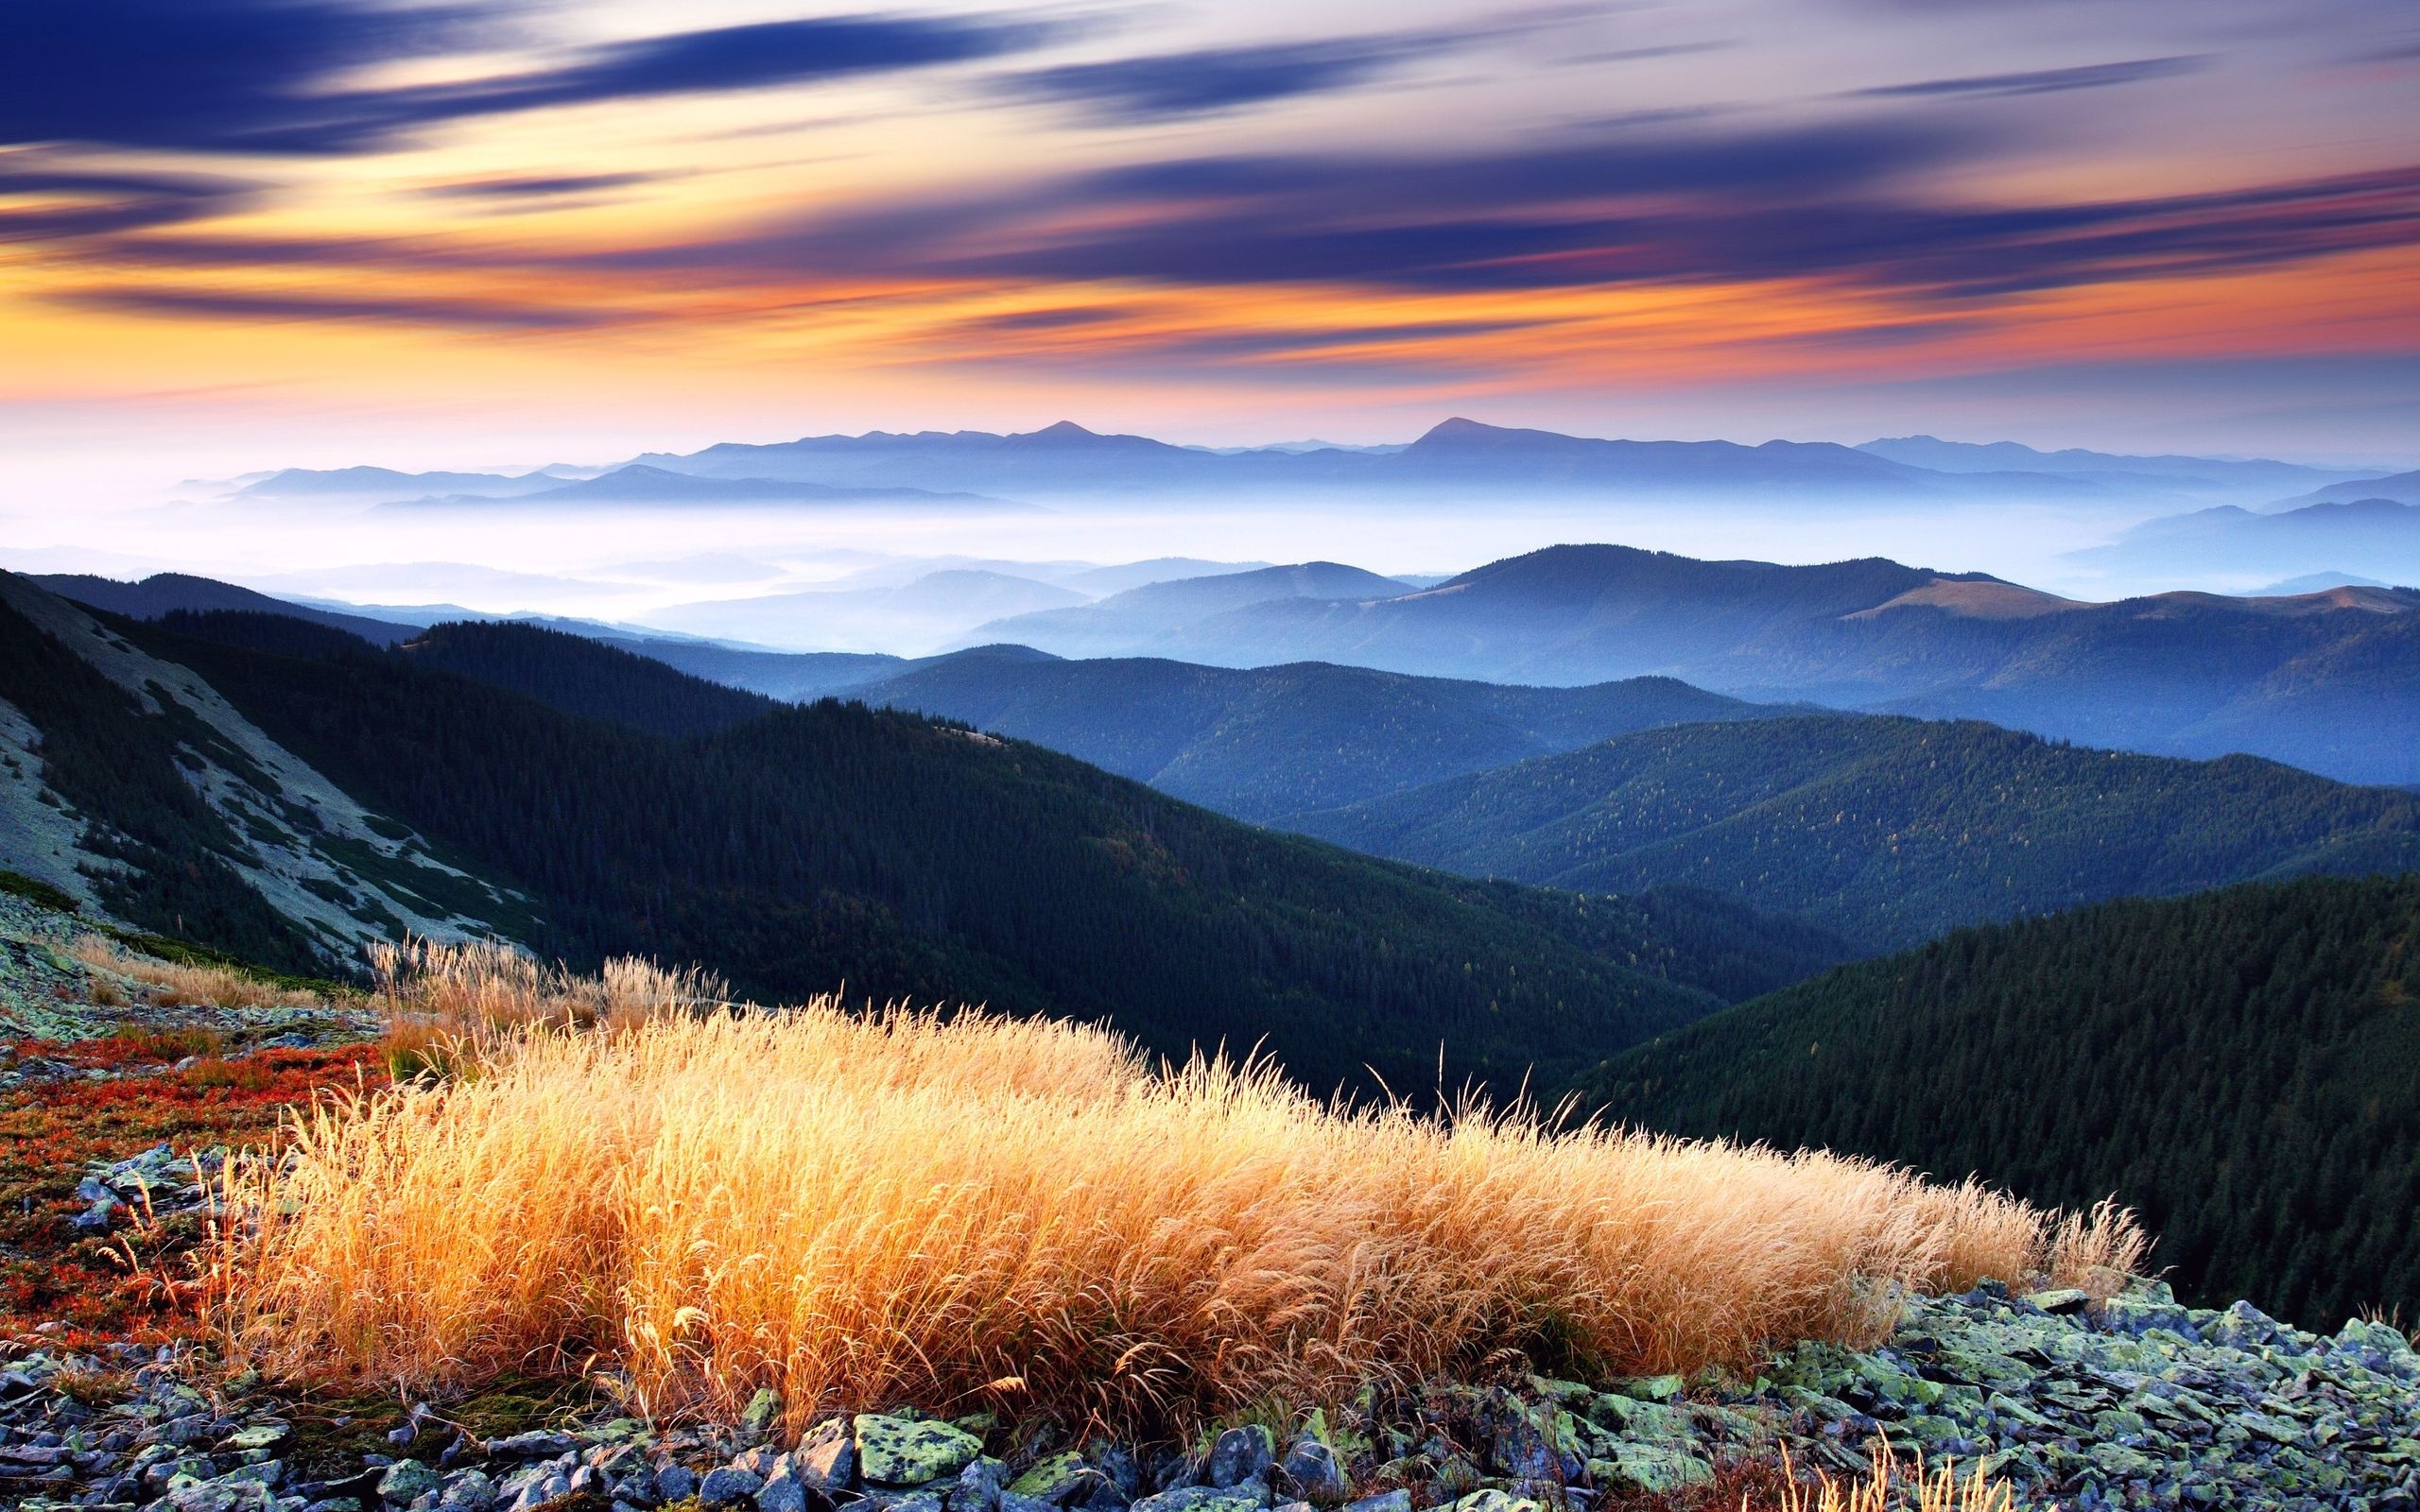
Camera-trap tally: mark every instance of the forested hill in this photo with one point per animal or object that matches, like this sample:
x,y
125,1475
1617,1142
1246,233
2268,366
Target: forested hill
x,y
1888,830
584,677
1272,740
831,843
2236,1065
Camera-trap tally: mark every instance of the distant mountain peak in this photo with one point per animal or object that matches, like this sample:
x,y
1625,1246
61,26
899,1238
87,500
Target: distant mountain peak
x,y
1065,430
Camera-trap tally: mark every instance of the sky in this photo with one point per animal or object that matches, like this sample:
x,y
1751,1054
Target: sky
x,y
239,234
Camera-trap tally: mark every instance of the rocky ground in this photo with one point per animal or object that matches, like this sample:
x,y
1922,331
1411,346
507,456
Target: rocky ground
x,y
112,1121
2140,1404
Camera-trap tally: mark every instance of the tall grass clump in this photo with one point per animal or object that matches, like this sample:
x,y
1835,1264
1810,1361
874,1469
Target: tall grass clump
x,y
445,1003
860,1210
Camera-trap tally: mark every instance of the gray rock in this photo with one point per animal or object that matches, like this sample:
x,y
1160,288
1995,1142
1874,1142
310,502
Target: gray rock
x,y
980,1486
784,1492
536,1444
1384,1501
726,1486
1242,1454
826,1459
472,1490
1251,1496
762,1410
1311,1466
407,1480
676,1482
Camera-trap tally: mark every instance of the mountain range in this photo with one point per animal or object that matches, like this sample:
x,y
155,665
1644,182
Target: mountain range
x,y
2328,680
1456,458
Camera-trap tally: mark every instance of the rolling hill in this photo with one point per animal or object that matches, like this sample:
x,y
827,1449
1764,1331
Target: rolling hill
x,y
1280,740
2403,487
1139,619
1887,830
813,847
2235,1065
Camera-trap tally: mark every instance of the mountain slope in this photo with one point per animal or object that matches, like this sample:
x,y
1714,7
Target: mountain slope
x,y
170,810
581,677
1887,830
1280,740
831,844
2235,1065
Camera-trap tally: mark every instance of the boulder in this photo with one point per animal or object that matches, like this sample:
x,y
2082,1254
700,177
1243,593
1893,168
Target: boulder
x,y
897,1451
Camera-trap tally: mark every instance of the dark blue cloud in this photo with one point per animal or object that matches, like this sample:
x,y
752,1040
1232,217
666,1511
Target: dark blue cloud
x,y
756,56
1851,202
203,75
261,75
2046,80
1129,90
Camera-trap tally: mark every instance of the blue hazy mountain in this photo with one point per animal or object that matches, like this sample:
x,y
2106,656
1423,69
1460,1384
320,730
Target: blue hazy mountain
x,y
2381,536
2328,681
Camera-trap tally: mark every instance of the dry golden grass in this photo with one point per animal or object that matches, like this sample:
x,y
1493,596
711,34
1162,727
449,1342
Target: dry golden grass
x,y
443,1004
902,1207
171,984
1890,1484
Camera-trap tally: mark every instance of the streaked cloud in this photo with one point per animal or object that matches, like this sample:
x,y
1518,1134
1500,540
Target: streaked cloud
x,y
541,186
355,199
2046,80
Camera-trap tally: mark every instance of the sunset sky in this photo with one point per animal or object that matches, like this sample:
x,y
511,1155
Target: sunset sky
x,y
249,232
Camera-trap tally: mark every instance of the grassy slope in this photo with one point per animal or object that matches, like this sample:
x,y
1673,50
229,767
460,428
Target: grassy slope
x,y
2236,1065
1887,830
835,844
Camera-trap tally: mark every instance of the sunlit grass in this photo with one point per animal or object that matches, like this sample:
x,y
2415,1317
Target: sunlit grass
x,y
905,1207
176,984
1890,1485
